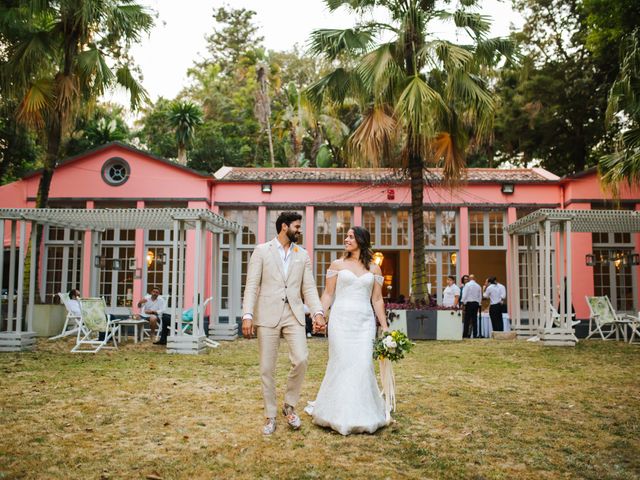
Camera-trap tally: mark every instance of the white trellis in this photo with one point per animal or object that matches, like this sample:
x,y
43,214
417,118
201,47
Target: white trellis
x,y
16,331
554,327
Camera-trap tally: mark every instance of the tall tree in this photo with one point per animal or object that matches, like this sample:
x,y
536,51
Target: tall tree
x,y
623,164
184,118
68,52
423,97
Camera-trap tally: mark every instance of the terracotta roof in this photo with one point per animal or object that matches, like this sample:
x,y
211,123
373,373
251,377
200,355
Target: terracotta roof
x,y
376,175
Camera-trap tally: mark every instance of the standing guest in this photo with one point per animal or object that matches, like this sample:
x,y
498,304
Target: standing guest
x,y
451,294
471,298
307,320
463,282
496,293
151,308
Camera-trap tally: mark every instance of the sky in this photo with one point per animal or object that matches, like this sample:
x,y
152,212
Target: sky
x,y
178,38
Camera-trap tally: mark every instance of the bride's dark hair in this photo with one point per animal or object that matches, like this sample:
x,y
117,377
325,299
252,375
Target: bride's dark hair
x,y
363,239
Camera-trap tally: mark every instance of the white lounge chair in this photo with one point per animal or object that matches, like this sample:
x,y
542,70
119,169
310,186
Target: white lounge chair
x,y
95,323
72,322
604,320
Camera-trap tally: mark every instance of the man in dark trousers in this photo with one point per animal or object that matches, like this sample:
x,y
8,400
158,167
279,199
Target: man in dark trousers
x,y
496,293
471,298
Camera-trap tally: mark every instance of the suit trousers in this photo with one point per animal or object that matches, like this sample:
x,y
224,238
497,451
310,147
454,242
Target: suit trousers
x,y
495,313
470,319
268,342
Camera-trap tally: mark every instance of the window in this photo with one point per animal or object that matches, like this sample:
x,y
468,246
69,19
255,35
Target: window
x,y
439,265
440,229
486,229
116,171
63,261
248,220
332,227
388,228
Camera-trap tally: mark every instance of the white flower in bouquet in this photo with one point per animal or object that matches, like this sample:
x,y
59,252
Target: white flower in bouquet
x,y
389,343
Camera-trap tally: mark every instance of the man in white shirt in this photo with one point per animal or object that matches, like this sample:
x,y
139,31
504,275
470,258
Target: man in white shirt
x,y
151,308
471,298
496,293
451,294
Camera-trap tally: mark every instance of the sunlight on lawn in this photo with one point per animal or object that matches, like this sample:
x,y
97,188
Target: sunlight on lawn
x,y
472,409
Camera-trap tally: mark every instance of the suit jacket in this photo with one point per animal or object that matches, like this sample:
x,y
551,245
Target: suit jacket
x,y
267,289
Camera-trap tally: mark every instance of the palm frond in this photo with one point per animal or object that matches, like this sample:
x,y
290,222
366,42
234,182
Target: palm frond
x,y
37,102
489,51
67,94
336,86
415,104
128,21
355,5
448,154
331,43
475,24
137,93
374,139
446,55
379,69
94,70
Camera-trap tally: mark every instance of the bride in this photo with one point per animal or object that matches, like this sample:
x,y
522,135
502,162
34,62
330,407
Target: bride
x,y
349,400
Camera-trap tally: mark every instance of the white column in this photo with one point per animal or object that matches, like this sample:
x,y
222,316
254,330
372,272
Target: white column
x,y
569,292
76,261
197,298
1,263
32,276
174,277
202,272
546,313
561,271
233,264
177,322
215,280
22,253
11,298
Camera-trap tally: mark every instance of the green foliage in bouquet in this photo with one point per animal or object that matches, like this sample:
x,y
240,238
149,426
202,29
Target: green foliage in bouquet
x,y
392,345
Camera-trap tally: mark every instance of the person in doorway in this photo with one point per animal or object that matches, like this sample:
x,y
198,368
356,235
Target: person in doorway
x,y
496,293
451,294
471,298
152,307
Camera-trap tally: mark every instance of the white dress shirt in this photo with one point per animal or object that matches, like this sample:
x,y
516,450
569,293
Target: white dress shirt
x,y
472,292
74,307
285,256
449,295
495,293
158,305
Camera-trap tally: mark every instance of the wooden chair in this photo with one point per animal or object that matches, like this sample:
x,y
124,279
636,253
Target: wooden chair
x,y
605,321
97,327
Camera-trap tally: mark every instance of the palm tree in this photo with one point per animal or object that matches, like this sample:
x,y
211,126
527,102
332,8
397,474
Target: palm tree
x,y
184,117
423,98
68,52
624,104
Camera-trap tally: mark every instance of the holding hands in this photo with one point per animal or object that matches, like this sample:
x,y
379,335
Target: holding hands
x,y
319,323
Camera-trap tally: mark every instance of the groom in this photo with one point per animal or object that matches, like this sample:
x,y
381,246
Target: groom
x,y
278,278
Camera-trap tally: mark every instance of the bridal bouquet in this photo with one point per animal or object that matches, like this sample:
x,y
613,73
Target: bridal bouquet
x,y
391,347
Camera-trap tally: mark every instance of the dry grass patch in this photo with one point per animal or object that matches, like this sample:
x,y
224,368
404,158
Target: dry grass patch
x,y
474,409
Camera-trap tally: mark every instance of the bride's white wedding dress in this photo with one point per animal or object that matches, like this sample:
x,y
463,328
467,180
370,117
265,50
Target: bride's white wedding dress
x,y
349,400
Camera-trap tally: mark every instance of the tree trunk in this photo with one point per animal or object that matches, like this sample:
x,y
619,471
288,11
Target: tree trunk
x,y
419,275
54,138
182,155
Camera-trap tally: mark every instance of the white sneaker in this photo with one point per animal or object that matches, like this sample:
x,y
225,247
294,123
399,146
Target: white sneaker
x,y
269,427
308,335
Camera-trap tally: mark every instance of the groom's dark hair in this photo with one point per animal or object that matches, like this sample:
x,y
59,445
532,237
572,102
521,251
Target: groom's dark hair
x,y
287,218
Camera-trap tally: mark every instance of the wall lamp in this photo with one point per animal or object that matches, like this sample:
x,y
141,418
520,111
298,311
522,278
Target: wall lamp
x,y
508,188
266,188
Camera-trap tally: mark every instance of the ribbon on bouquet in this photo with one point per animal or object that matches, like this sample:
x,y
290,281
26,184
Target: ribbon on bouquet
x,y
388,382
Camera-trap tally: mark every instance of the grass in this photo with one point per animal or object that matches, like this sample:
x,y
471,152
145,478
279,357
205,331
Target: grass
x,y
475,409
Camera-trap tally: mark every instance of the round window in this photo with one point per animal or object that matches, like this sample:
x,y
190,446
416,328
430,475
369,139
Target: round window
x,y
116,171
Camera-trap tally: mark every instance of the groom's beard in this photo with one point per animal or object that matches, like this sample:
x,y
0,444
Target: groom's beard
x,y
293,236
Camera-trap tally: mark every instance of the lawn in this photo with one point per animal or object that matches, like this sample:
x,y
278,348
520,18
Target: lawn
x,y
478,409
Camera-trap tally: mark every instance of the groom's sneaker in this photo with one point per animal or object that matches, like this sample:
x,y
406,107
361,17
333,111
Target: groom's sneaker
x,y
292,417
269,427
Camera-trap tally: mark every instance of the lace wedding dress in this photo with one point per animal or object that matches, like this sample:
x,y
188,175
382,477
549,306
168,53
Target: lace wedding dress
x,y
349,400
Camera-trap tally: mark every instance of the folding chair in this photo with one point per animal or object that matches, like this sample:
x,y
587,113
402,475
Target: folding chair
x,y
187,324
98,329
553,320
72,322
604,317
635,328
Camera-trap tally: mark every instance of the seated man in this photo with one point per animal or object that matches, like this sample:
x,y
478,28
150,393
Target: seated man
x,y
151,308
74,305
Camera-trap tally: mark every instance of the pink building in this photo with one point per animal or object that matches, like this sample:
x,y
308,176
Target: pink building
x,y
464,228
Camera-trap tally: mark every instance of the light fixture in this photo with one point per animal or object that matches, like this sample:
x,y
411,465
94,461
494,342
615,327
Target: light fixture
x,y
634,259
99,261
391,194
454,258
388,280
132,264
508,188
115,264
590,259
266,188
378,258
150,257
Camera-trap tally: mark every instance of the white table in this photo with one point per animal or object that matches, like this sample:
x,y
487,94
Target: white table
x,y
138,328
485,329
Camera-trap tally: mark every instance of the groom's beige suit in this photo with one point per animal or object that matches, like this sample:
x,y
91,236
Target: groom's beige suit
x,y
275,302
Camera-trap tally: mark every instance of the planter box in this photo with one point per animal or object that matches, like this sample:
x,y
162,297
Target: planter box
x,y
48,320
428,324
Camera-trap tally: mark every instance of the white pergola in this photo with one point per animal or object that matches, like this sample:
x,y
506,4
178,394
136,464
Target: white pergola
x,y
16,331
535,231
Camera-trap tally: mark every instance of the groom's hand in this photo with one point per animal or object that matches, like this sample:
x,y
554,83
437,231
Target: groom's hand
x,y
247,327
319,323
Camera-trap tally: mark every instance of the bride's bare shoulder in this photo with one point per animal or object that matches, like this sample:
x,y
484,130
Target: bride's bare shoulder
x,y
337,264
375,268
